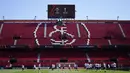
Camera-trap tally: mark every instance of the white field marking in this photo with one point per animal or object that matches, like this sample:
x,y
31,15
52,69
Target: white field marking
x,y
35,33
45,30
1,28
122,31
88,40
78,30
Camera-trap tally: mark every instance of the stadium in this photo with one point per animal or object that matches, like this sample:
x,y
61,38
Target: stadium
x,y
62,44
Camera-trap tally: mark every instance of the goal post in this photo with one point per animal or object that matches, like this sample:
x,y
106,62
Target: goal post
x,y
66,64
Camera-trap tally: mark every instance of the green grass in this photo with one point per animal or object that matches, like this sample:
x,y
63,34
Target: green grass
x,y
59,71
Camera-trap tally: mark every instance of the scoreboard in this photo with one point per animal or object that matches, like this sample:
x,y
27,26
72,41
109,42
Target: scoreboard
x,y
61,11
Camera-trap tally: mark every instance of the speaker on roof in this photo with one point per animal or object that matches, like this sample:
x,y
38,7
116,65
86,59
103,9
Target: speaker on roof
x,y
59,22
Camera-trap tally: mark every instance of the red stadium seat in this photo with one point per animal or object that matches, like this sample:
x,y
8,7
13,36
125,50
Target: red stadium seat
x,y
32,34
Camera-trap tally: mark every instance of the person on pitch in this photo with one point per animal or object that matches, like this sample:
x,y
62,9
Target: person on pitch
x,y
69,66
86,65
34,67
76,67
22,67
53,66
113,65
39,66
59,66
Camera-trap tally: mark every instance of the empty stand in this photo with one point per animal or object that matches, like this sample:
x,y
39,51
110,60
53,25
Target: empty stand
x,y
121,41
29,42
6,41
90,34
25,30
96,31
99,42
72,29
53,53
126,29
56,54
28,58
102,30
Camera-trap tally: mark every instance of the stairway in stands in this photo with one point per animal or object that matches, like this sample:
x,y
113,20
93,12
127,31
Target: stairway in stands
x,y
88,58
38,58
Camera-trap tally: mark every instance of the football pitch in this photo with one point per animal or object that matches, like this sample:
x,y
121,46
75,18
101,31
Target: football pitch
x,y
60,71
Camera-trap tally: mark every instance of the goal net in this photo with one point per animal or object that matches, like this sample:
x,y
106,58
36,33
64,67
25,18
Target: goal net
x,y
66,64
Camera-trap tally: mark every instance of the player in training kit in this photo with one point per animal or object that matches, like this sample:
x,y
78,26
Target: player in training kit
x,y
113,65
22,67
90,65
35,67
39,66
59,66
87,66
76,67
97,66
108,66
104,65
63,67
69,66
53,66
